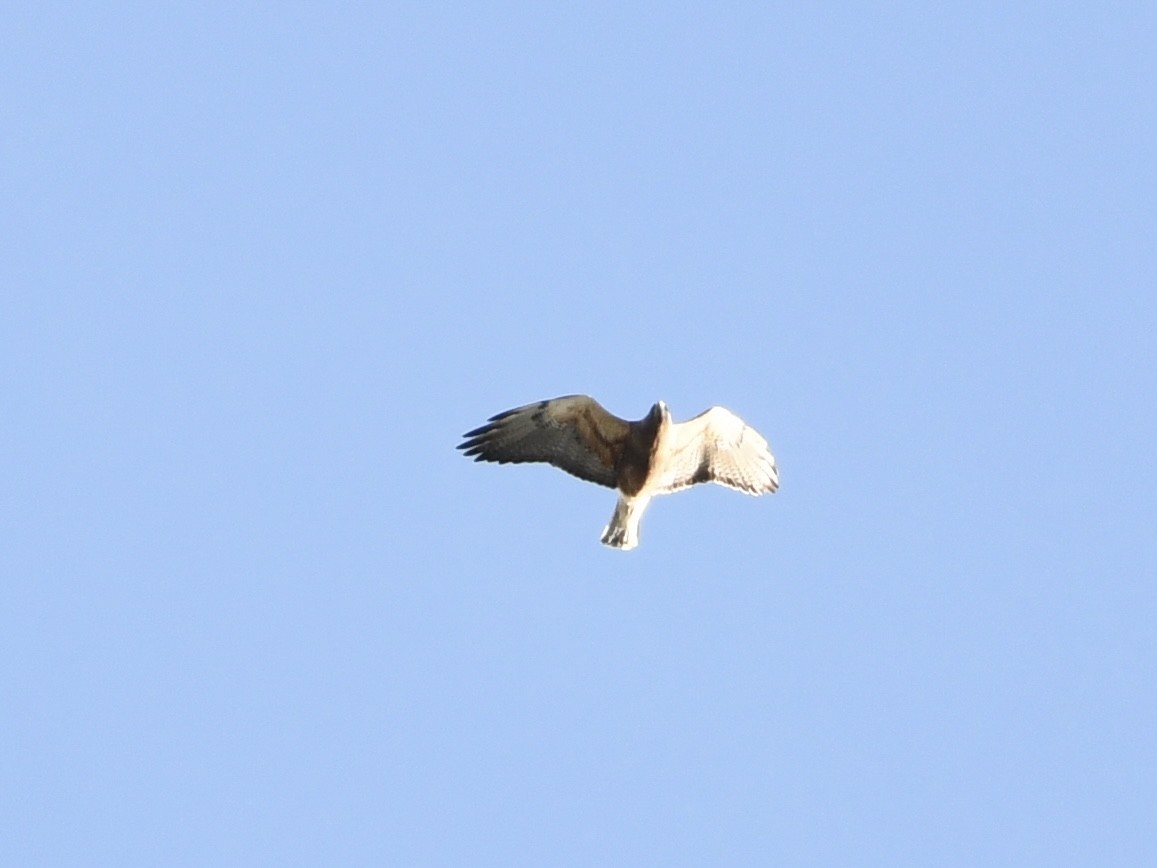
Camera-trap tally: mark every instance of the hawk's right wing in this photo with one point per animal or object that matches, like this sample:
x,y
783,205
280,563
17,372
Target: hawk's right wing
x,y
574,434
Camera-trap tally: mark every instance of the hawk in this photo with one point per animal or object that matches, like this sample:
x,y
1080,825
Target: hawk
x,y
641,459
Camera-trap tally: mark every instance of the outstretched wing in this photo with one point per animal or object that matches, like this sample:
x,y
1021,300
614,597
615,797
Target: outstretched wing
x,y
574,434
717,446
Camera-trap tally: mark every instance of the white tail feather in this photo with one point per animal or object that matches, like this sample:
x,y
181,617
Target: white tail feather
x,y
622,532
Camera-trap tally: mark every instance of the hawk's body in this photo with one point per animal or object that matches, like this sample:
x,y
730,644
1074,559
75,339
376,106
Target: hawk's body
x,y
641,459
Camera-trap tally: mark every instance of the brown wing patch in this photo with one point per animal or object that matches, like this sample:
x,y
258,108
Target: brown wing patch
x,y
597,429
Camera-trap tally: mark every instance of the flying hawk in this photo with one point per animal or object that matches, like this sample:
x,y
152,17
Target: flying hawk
x,y
640,459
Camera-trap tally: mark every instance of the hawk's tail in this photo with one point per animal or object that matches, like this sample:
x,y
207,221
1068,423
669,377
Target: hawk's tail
x,y
623,530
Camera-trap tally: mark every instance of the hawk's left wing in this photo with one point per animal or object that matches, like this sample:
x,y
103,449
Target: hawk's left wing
x,y
717,446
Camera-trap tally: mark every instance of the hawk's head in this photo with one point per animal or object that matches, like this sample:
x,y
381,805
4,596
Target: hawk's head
x,y
659,413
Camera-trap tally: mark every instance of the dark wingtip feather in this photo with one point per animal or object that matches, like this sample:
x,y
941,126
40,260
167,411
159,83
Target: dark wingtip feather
x,y
479,431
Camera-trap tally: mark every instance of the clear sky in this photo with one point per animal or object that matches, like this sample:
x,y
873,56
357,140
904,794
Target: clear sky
x,y
262,264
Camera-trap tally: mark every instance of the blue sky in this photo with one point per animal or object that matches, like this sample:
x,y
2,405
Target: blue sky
x,y
264,263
